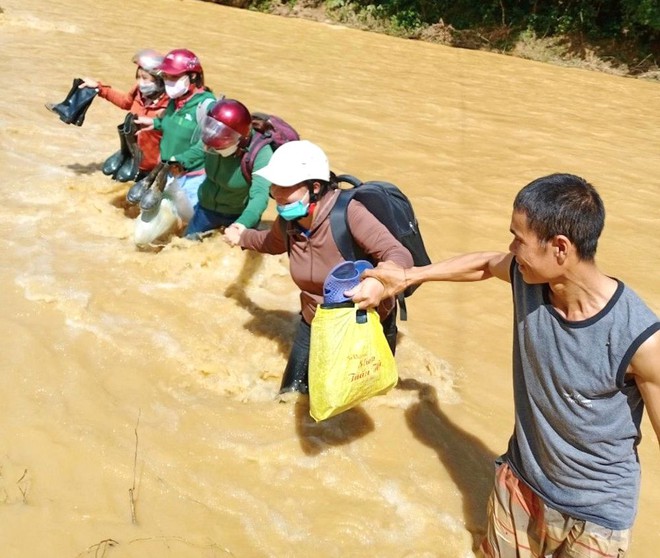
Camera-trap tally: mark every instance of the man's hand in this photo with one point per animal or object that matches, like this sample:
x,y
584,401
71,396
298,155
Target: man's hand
x,y
385,281
391,276
233,234
175,168
367,294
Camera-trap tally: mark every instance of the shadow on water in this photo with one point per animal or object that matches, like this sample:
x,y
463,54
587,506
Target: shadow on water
x,y
119,201
469,462
89,168
278,325
339,430
131,211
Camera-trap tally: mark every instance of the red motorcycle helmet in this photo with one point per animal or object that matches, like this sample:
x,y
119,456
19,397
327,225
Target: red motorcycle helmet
x,y
227,122
180,61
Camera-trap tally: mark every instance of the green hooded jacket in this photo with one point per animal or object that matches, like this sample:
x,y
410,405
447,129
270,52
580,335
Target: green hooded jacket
x,y
178,127
225,189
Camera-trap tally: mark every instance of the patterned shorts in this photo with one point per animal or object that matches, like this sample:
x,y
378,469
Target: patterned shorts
x,y
521,525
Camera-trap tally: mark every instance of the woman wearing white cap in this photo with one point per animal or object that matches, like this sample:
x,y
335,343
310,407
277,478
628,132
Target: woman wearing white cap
x,y
305,191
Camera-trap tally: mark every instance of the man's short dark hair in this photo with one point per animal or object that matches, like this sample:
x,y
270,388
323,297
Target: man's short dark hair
x,y
564,204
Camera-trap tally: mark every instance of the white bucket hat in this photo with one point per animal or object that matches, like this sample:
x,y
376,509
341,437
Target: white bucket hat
x,y
296,162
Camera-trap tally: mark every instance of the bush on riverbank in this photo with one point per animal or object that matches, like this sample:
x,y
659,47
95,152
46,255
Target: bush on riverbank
x,y
620,37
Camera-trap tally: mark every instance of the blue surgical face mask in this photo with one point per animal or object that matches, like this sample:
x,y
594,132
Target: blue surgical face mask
x,y
294,210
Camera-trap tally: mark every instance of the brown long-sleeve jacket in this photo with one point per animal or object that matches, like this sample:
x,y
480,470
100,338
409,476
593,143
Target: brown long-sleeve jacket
x,y
313,255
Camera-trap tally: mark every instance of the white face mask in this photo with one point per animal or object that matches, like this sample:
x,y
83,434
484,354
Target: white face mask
x,y
177,88
227,151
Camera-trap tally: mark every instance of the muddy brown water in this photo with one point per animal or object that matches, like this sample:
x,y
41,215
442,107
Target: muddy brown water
x,y
142,384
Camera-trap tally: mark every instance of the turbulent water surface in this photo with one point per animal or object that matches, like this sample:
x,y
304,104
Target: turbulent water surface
x,y
138,388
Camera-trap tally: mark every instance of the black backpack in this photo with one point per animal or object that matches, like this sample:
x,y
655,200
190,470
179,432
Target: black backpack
x,y
392,208
269,130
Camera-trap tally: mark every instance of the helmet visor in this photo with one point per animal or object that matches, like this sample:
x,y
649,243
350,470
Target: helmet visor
x,y
218,135
148,60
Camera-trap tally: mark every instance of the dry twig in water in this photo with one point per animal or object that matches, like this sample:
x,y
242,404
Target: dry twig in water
x,y
131,491
23,490
100,547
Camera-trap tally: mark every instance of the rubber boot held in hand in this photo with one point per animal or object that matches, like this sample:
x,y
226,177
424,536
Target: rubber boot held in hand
x,y
130,168
72,110
151,199
116,160
135,192
64,107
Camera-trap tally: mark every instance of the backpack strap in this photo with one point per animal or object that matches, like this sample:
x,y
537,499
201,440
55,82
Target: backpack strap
x,y
403,311
341,231
257,141
339,225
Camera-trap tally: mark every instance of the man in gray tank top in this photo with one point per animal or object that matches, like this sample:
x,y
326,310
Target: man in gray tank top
x,y
586,361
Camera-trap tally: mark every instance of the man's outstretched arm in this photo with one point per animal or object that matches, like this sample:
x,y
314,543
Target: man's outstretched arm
x,y
475,266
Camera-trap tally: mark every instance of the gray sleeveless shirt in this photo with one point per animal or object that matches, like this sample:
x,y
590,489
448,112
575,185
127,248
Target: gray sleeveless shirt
x,y
577,415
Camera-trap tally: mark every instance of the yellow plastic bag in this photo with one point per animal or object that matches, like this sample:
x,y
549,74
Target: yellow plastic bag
x,y
349,360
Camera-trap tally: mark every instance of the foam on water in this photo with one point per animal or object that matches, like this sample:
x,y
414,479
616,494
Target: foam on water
x,y
34,22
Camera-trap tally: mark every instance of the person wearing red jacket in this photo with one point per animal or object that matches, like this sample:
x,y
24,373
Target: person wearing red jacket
x,y
146,98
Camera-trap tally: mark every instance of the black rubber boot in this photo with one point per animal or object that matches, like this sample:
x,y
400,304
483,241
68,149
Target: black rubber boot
x,y
72,110
64,106
135,192
116,160
296,374
153,196
130,168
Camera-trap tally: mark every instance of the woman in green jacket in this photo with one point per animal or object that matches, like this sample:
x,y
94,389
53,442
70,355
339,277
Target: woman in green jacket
x,y
230,193
181,153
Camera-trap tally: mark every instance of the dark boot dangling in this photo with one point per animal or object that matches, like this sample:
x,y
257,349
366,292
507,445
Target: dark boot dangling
x,y
151,199
135,192
113,163
130,167
72,110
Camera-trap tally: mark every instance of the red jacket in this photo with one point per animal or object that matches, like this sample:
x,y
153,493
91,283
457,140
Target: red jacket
x,y
135,102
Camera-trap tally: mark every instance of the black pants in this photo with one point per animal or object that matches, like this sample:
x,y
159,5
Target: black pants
x,y
296,373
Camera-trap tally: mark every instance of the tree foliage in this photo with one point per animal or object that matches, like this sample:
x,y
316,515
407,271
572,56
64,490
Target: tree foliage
x,y
639,19
626,31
